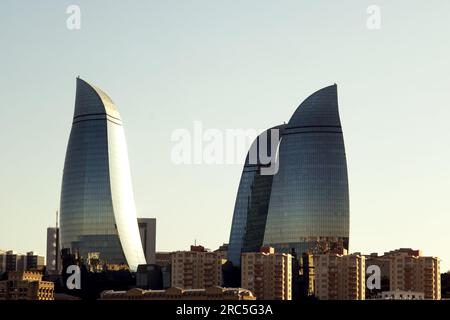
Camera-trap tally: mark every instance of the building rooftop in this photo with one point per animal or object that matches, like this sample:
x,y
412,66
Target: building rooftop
x,y
175,291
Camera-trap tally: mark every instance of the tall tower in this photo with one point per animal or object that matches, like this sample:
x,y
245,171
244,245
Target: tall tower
x,y
309,200
53,256
252,200
305,205
97,210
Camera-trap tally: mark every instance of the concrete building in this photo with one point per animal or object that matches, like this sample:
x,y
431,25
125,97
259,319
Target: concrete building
x,y
267,274
406,270
26,285
410,271
53,258
197,268
149,276
383,263
211,293
33,261
223,250
164,260
339,276
11,261
147,230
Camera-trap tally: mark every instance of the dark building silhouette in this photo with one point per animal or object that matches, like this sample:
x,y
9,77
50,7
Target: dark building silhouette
x,y
252,200
149,277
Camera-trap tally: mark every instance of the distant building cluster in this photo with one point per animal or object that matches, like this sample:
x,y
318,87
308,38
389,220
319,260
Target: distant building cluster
x,y
11,261
289,237
270,275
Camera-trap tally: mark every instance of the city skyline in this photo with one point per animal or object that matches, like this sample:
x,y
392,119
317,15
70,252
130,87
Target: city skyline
x,y
231,66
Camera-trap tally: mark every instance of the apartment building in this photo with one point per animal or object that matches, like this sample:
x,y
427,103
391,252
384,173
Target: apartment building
x,y
267,274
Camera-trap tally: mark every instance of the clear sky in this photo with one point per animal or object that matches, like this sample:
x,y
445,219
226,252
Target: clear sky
x,y
230,64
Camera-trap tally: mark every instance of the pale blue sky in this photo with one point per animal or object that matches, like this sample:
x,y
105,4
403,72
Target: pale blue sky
x,y
231,64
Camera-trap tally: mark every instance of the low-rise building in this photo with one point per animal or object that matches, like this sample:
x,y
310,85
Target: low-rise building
x,y
26,285
402,295
211,293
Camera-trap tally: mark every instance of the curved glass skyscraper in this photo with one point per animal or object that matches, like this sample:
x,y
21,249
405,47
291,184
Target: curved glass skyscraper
x,y
309,200
98,213
252,200
305,206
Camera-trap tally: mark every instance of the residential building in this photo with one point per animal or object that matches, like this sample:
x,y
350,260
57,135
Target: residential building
x,y
410,271
267,274
26,285
339,276
197,268
12,261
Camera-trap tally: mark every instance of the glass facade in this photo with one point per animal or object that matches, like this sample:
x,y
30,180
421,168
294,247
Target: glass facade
x,y
250,211
97,205
309,199
305,205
